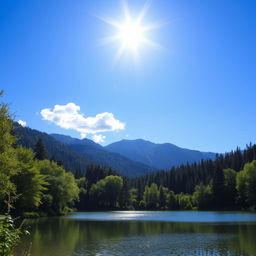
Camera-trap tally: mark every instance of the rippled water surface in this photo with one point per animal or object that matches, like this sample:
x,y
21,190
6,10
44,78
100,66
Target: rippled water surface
x,y
143,233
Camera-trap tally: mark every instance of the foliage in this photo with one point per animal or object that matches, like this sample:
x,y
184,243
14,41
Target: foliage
x,y
27,183
246,185
227,189
106,191
124,198
151,196
230,192
30,184
185,177
202,197
9,236
218,187
184,201
171,202
40,151
163,194
56,151
61,186
8,162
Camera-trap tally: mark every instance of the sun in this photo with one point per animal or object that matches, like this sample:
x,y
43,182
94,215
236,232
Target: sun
x,y
131,32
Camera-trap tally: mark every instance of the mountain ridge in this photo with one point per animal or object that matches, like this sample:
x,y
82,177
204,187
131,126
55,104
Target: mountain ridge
x,y
77,156
158,155
138,158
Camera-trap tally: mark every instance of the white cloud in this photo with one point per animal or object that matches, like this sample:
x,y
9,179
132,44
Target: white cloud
x,y
68,117
22,123
98,138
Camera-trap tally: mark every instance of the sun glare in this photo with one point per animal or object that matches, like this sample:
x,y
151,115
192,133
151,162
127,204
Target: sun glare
x,y
131,33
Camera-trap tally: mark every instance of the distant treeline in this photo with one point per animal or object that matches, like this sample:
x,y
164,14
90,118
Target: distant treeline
x,y
186,177
227,183
227,189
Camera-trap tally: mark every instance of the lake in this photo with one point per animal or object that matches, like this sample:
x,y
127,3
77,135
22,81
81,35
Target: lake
x,y
157,233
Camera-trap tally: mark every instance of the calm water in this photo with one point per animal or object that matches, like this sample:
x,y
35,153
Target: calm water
x,y
143,233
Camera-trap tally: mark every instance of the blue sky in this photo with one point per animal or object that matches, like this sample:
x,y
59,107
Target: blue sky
x,y
197,92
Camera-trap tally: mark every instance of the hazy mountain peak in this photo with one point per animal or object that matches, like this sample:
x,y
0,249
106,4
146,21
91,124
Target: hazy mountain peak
x,y
66,139
162,156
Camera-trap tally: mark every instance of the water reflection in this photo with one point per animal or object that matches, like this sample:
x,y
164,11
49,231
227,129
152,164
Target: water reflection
x,y
170,216
65,236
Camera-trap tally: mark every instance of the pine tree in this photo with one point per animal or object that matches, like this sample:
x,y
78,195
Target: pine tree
x,y
124,195
162,197
40,151
218,188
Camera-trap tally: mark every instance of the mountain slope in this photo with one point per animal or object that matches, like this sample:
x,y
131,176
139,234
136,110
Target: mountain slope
x,y
161,156
70,159
68,140
98,154
79,153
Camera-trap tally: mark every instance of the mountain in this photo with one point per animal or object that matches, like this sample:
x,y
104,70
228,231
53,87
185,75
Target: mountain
x,y
70,159
161,156
72,141
128,157
76,154
99,155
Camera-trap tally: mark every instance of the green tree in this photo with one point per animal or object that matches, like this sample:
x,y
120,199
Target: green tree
x,y
241,186
246,184
62,190
171,201
29,182
125,197
184,201
106,191
113,186
218,189
202,197
230,194
8,162
250,169
135,204
97,196
40,151
163,194
151,196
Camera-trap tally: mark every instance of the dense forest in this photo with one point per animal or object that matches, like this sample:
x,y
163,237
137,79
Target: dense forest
x,y
221,189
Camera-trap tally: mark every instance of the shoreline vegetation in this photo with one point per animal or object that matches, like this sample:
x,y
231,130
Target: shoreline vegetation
x,y
32,185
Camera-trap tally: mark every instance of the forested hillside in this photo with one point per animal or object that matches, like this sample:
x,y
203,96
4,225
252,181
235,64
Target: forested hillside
x,y
227,183
185,177
57,151
76,154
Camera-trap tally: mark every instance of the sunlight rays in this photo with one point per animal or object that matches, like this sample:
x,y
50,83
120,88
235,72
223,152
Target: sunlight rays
x,y
131,33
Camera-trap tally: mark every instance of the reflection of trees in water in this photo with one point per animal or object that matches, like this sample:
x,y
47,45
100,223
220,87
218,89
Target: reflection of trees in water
x,y
60,236
245,242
